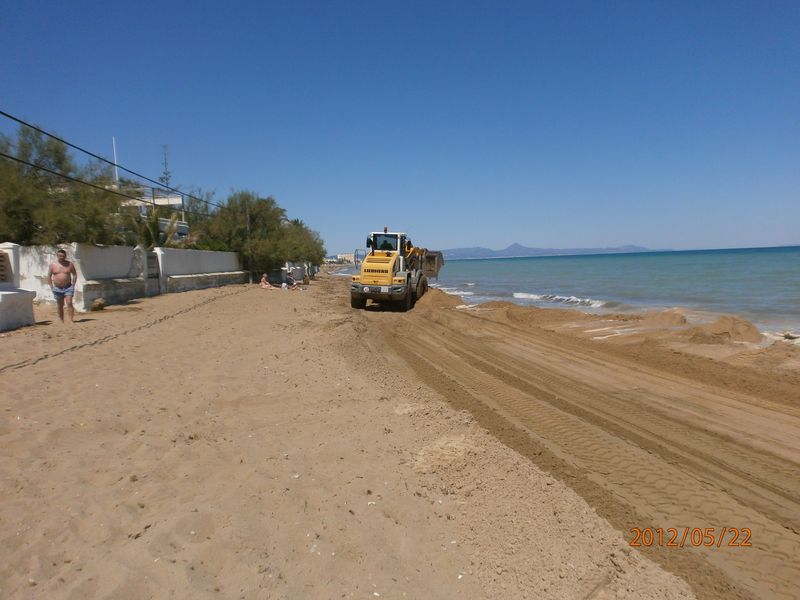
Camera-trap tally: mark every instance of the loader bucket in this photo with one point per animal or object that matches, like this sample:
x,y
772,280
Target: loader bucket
x,y
431,263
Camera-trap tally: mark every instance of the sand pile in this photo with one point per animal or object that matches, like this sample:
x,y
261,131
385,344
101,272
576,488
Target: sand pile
x,y
665,318
445,451
531,316
723,330
498,304
433,299
780,355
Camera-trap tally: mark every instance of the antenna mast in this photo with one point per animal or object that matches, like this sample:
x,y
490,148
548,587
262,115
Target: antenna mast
x,y
116,170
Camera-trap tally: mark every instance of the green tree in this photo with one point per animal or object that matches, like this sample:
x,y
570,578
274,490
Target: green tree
x,y
198,208
145,229
37,207
301,244
39,149
258,229
16,202
43,208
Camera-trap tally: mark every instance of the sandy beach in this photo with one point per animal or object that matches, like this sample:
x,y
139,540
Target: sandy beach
x,y
246,443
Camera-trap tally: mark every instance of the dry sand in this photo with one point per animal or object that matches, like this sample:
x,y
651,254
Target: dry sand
x,y
245,443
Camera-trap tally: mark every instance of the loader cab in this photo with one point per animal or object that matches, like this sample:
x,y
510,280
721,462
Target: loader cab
x,y
386,241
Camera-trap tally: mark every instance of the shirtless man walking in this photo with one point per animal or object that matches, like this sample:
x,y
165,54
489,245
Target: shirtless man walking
x,y
63,277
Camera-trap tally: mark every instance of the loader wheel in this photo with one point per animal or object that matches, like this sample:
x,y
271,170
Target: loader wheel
x,y
422,287
407,302
358,302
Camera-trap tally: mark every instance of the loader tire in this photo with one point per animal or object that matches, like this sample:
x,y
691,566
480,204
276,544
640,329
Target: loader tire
x,y
358,302
422,287
407,302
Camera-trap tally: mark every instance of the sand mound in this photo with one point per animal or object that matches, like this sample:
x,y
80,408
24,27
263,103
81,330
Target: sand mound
x,y
514,314
665,318
531,315
99,304
723,330
444,452
779,355
434,298
498,304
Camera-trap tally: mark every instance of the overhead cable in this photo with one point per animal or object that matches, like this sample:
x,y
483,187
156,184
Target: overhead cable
x,y
105,160
93,185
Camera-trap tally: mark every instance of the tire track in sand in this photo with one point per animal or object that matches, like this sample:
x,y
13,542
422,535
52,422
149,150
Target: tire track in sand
x,y
761,479
96,342
642,487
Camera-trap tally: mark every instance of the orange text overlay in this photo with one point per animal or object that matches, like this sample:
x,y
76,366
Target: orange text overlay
x,y
709,537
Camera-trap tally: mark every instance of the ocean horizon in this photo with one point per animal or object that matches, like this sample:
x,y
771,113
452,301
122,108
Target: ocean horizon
x,y
761,285
576,252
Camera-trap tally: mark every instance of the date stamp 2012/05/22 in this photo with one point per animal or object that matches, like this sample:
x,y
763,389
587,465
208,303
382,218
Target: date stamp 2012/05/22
x,y
708,537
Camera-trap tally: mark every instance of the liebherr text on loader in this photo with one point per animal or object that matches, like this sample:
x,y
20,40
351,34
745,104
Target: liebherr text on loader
x,y
393,271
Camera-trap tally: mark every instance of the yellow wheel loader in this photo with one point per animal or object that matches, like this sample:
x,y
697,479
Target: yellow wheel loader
x,y
394,271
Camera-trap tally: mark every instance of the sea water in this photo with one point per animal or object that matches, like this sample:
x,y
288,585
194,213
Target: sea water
x,y
758,284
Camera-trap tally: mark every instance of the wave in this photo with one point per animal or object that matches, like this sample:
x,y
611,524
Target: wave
x,y
452,291
556,299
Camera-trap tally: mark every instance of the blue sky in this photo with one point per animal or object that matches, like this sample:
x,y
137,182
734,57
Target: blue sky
x,y
665,124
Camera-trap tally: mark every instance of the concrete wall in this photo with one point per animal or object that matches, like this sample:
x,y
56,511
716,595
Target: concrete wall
x,y
185,283
113,291
115,273
299,270
34,262
191,262
108,262
92,263
184,270
16,305
95,265
10,260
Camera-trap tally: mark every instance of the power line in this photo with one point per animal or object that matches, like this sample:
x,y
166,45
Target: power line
x,y
105,160
93,185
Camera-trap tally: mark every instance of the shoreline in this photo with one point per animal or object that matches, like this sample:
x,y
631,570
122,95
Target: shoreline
x,y
773,328
757,284
695,316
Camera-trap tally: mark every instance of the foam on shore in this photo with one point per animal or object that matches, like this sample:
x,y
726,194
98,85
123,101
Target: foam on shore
x,y
558,299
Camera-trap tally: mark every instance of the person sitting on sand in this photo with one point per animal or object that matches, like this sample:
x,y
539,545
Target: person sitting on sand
x,y
290,282
265,284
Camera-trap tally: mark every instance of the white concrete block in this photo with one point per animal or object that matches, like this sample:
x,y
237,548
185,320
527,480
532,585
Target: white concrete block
x,y
16,308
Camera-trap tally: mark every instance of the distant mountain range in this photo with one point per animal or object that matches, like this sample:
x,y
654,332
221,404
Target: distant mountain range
x,y
517,250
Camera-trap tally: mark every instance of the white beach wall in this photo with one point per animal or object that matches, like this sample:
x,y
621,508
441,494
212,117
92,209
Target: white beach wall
x,y
94,264
33,264
108,262
115,273
174,261
184,270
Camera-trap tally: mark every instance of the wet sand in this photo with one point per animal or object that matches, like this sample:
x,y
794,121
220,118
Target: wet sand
x,y
246,443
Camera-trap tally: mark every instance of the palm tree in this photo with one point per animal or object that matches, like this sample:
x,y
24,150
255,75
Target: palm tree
x,y
148,229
